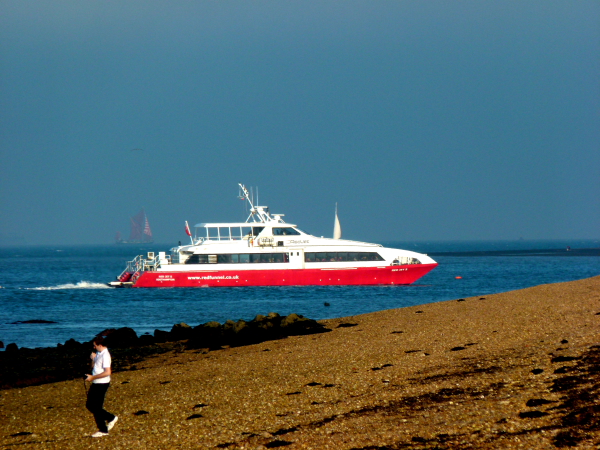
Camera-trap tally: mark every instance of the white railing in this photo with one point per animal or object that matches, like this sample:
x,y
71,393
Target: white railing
x,y
133,266
405,260
151,264
141,264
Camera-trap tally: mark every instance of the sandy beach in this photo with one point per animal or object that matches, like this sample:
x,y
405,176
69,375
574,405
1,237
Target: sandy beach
x,y
512,370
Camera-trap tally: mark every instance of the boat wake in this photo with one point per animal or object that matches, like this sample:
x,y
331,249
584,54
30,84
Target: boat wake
x,y
80,285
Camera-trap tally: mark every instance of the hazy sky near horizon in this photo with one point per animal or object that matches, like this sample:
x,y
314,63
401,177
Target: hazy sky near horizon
x,y
430,120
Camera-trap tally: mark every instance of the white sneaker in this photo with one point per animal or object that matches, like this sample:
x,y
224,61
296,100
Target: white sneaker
x,y
111,424
99,434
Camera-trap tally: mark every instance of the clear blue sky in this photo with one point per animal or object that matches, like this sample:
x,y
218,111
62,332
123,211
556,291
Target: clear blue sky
x,y
424,120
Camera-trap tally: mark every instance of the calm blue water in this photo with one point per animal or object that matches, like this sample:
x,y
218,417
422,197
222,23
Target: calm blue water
x,y
66,285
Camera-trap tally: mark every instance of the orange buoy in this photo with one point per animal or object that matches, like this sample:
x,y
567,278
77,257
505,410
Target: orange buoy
x,y
458,278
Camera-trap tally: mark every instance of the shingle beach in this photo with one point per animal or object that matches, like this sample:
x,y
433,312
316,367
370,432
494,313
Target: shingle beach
x,y
512,370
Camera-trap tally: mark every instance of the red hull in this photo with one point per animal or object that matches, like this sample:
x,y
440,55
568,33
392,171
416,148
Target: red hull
x,y
389,275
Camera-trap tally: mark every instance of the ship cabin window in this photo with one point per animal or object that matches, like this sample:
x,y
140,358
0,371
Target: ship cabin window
x,y
225,259
288,231
218,233
197,259
224,233
341,256
245,232
280,257
212,233
239,258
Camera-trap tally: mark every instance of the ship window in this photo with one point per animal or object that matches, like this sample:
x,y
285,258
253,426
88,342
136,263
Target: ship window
x,y
243,258
373,256
256,230
225,259
342,256
285,232
197,259
239,232
320,257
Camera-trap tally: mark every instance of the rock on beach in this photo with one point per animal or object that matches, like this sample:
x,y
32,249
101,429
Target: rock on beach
x,y
26,367
525,376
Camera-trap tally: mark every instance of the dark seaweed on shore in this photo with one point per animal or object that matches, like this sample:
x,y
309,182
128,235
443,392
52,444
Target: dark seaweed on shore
x,y
29,367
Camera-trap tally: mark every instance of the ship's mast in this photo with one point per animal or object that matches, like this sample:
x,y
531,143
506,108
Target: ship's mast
x,y
258,213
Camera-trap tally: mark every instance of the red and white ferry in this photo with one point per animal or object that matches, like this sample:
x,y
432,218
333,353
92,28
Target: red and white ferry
x,y
266,251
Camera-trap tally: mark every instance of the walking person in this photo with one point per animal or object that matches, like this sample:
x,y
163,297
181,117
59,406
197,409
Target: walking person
x,y
100,379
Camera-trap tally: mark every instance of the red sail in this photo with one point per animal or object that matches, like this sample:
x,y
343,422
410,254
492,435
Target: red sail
x,y
147,231
140,228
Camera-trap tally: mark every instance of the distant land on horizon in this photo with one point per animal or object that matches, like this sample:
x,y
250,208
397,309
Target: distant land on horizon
x,y
531,252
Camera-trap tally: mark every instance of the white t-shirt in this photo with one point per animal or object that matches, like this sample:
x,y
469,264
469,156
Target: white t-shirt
x,y
101,361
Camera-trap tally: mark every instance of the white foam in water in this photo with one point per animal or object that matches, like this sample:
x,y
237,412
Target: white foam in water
x,y
80,285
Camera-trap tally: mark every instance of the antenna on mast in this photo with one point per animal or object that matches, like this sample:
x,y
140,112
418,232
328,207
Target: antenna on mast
x,y
248,196
257,213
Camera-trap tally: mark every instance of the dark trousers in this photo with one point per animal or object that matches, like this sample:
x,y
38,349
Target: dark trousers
x,y
95,405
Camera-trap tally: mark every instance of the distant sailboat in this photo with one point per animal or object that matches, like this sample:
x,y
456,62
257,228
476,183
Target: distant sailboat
x,y
140,230
337,228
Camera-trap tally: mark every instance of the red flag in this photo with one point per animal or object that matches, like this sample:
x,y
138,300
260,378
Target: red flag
x,y
187,229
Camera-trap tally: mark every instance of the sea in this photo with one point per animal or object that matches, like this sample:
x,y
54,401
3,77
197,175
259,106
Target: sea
x,y
67,285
